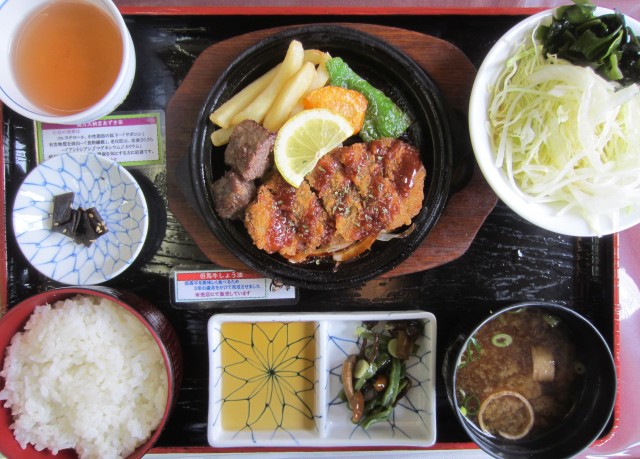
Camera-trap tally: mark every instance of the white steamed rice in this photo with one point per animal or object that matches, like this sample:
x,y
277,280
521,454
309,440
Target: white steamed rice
x,y
85,374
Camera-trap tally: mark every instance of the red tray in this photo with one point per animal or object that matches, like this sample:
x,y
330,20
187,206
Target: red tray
x,y
608,246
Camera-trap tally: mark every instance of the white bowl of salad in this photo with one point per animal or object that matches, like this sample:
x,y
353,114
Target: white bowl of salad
x,y
556,135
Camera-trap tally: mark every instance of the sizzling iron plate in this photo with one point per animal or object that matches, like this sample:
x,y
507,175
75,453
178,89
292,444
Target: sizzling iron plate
x,y
385,67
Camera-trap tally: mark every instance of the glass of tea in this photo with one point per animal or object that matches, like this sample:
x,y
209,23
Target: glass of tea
x,y
64,61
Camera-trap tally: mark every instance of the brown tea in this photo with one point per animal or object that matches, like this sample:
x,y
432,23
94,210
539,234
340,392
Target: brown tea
x,y
67,56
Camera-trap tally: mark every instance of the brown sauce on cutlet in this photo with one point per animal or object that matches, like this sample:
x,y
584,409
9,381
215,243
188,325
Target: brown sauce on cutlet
x,y
378,148
354,192
401,164
308,221
285,196
338,195
364,168
408,169
355,163
323,172
380,204
281,233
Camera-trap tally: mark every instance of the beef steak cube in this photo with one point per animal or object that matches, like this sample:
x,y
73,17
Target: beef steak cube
x,y
232,194
249,151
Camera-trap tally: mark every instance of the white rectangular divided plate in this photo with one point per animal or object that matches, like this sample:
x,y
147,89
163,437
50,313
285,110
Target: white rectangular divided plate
x,y
283,373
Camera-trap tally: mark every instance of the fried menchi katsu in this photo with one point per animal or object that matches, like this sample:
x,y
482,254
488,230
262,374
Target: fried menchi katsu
x,y
354,194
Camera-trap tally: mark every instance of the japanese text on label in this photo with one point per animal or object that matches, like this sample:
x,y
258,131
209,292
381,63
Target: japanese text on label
x,y
124,139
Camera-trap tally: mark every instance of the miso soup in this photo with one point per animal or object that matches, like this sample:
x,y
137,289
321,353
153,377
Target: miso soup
x,y
519,374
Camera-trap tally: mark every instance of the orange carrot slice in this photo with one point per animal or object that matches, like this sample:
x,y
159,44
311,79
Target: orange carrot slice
x,y
345,102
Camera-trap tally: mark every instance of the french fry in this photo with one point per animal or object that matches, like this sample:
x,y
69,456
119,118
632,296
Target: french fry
x,y
319,80
223,115
297,108
257,109
221,136
315,56
290,93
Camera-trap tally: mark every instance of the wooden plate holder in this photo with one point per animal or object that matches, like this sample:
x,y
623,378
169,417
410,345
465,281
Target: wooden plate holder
x,y
466,209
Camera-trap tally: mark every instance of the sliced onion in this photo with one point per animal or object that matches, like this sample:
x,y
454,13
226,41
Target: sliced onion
x,y
385,236
355,249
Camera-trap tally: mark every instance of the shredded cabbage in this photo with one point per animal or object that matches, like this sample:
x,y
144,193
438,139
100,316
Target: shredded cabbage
x,y
565,135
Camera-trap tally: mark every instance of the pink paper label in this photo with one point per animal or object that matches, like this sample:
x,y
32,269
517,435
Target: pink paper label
x,y
128,139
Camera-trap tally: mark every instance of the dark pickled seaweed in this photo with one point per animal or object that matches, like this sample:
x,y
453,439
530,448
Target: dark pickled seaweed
x,y
62,211
84,226
91,226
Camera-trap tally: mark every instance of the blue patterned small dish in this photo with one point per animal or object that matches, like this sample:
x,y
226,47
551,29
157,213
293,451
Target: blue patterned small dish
x,y
275,380
96,182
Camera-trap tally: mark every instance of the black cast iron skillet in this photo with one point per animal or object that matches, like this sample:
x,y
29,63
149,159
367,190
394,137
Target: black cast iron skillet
x,y
385,67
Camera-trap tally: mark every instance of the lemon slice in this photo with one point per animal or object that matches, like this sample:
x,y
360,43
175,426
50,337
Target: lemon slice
x,y
305,138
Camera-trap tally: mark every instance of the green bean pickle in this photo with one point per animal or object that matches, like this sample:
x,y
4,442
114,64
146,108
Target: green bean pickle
x,y
378,374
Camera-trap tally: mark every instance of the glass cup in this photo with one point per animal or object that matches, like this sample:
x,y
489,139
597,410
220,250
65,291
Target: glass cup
x,y
14,15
